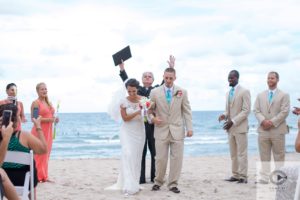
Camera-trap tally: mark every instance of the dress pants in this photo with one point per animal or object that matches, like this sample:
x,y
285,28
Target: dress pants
x,y
150,142
163,147
238,143
268,143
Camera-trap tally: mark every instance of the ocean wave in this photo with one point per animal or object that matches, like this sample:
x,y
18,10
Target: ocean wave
x,y
109,141
252,133
195,142
86,144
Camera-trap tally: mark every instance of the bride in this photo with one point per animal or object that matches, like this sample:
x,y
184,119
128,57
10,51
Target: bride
x,y
132,137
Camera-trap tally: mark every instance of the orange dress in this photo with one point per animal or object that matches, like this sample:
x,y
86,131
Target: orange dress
x,y
41,161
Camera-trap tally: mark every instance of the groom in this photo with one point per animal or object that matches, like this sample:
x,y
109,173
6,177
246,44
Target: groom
x,y
172,112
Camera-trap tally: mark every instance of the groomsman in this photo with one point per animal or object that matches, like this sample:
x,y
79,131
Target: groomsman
x,y
238,106
147,79
271,109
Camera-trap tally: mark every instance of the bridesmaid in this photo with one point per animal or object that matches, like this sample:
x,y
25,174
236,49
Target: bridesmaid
x,y
46,111
11,90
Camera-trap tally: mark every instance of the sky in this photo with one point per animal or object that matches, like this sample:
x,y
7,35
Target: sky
x,y
69,46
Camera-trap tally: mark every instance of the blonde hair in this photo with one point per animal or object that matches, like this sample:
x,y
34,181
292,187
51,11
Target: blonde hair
x,y
46,98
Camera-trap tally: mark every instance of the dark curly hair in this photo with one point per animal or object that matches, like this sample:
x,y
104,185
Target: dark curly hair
x,y
10,85
132,83
14,109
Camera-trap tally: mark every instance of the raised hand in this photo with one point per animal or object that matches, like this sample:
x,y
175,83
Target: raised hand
x,y
37,122
122,66
171,61
7,131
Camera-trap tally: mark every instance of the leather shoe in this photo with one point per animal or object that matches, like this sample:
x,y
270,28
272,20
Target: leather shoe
x,y
232,179
174,189
155,187
242,180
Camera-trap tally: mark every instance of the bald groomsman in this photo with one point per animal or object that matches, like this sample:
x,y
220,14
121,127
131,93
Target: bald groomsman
x,y
271,109
238,106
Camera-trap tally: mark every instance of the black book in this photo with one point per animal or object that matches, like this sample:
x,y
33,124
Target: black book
x,y
124,54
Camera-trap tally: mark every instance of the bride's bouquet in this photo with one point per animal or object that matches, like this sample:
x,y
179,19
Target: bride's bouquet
x,y
145,104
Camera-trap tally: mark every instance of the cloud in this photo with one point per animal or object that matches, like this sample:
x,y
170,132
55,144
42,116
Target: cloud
x,y
69,45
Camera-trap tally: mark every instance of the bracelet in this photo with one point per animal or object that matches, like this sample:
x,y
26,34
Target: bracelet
x,y
38,129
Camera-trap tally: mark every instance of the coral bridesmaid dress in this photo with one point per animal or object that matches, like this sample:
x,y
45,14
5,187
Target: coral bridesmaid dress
x,y
41,161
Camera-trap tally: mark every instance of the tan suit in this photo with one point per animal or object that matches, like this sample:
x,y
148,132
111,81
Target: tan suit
x,y
274,138
238,110
169,135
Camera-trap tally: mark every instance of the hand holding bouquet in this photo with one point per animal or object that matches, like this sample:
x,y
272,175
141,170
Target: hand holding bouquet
x,y
145,104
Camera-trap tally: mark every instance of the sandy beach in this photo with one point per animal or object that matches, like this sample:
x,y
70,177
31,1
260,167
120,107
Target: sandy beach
x,y
202,178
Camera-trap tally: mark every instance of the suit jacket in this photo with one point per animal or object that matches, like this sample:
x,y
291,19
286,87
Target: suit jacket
x,y
175,116
276,111
142,91
238,110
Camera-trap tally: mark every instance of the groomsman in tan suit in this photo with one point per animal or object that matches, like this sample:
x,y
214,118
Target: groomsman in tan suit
x,y
238,107
172,116
271,109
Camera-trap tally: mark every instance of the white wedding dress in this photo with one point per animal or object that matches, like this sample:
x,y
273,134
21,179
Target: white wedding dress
x,y
132,137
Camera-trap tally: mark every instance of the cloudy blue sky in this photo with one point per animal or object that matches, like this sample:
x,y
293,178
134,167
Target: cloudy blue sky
x,y
68,44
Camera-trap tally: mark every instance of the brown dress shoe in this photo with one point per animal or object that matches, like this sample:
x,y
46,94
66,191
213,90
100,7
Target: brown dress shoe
x,y
174,189
155,187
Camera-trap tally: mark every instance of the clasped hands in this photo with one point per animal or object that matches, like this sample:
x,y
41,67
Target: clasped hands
x,y
267,124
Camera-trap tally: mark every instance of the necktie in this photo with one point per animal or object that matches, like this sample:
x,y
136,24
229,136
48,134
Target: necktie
x,y
169,96
270,96
231,93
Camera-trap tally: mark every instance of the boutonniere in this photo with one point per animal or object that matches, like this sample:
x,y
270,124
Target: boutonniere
x,y
178,93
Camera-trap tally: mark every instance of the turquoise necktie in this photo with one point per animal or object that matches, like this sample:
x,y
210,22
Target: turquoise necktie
x,y
270,96
231,93
168,96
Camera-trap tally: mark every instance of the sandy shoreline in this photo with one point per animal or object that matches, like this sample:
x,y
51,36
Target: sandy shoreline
x,y
202,178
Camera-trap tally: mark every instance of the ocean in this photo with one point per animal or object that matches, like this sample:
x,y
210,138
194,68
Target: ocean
x,y
96,135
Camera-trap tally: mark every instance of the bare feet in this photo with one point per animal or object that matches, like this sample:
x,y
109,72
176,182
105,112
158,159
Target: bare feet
x,y
44,181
